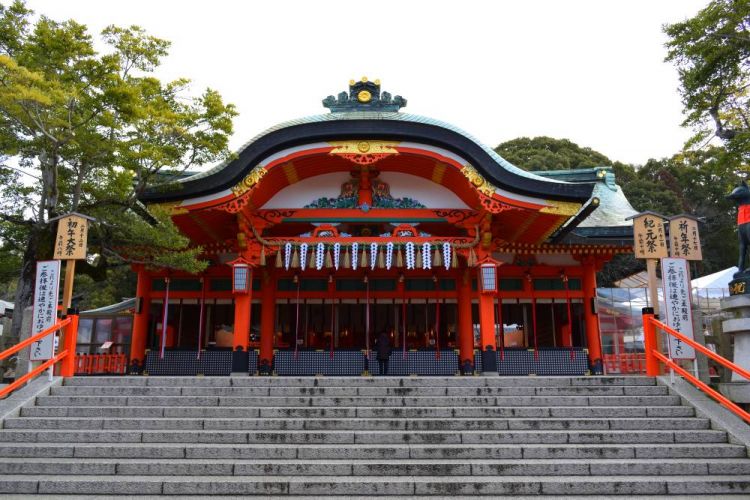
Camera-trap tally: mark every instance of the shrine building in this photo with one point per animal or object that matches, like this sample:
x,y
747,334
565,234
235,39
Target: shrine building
x,y
326,231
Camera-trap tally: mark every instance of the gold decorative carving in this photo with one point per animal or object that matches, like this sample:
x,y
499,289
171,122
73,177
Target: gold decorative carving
x,y
173,207
364,96
478,181
568,208
364,152
249,181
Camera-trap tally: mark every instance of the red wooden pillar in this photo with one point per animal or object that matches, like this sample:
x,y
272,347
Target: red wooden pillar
x,y
242,303
140,318
465,329
267,321
592,322
487,320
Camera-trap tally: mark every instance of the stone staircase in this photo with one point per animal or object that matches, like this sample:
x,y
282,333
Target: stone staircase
x,y
366,436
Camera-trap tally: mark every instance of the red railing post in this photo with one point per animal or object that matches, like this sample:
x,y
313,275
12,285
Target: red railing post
x,y
650,342
70,338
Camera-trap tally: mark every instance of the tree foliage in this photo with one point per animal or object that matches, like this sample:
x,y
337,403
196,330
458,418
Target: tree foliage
x,y
711,52
546,153
93,130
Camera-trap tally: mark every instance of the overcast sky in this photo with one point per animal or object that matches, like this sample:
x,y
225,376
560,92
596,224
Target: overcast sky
x,y
589,71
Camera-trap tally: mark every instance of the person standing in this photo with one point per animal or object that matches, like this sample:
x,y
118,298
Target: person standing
x,y
383,348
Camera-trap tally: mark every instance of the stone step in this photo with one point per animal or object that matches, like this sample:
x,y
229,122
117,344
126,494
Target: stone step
x,y
360,381
71,423
362,437
359,412
184,467
383,485
456,452
359,391
456,401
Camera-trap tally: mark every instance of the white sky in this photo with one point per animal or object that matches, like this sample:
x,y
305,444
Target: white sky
x,y
589,71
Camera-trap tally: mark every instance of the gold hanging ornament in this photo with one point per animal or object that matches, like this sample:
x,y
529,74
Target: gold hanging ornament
x,y
279,262
454,258
418,264
381,259
437,258
263,255
363,262
347,260
311,262
329,260
295,258
399,258
472,260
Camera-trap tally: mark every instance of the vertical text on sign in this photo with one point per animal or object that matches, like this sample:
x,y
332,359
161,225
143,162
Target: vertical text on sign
x,y
44,314
679,313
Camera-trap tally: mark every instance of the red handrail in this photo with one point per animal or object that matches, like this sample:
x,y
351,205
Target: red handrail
x,y
66,357
653,357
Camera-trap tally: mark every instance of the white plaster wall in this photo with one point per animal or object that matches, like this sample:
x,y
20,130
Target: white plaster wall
x,y
329,185
423,190
306,191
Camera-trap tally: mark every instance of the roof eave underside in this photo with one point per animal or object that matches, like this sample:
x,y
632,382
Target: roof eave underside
x,y
383,129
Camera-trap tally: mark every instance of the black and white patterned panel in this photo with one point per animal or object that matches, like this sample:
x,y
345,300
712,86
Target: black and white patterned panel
x,y
174,363
319,363
418,363
252,362
215,363
562,361
515,362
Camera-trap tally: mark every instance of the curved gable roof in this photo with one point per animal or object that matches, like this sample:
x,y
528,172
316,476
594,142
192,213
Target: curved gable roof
x,y
373,125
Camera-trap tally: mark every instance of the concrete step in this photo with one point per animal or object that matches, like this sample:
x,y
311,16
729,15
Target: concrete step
x,y
72,423
358,412
360,381
452,401
359,391
185,467
383,485
361,437
457,452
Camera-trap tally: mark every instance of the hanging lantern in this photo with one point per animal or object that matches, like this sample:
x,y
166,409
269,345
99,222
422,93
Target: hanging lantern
x,y
242,276
487,269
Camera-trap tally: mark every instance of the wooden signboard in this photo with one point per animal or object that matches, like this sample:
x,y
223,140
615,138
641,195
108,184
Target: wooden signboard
x,y
72,233
649,238
685,242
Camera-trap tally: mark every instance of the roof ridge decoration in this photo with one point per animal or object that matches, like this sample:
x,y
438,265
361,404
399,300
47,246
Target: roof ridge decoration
x,y
364,95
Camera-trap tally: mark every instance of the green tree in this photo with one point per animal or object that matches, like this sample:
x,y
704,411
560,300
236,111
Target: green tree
x,y
94,130
546,153
711,52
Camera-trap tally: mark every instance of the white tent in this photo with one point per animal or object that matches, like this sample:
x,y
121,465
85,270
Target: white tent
x,y
719,279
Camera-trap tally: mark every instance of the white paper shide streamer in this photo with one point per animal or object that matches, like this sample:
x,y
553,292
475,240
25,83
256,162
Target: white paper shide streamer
x,y
447,255
303,256
388,255
287,255
336,255
373,255
320,251
355,255
410,255
426,256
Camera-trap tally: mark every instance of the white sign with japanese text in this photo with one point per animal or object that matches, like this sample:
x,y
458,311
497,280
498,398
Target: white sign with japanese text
x,y
679,313
45,307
